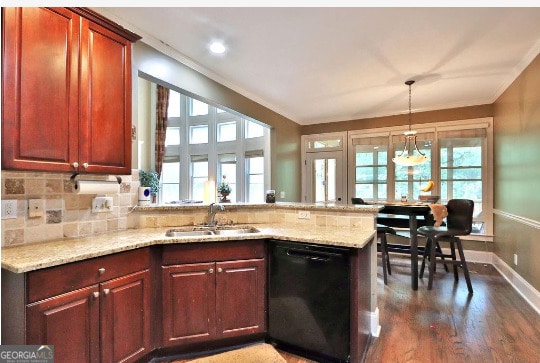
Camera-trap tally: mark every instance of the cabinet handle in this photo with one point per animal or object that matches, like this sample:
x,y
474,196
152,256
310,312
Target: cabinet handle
x,y
96,294
75,164
106,291
219,269
101,271
85,165
211,270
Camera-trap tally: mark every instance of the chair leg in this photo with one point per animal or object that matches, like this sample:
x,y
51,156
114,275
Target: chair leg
x,y
423,266
384,252
453,254
431,270
464,265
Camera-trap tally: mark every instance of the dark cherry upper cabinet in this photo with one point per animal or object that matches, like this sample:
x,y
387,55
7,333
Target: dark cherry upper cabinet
x,y
66,103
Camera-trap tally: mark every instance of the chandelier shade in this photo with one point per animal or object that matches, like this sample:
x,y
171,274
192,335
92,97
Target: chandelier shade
x,y
408,157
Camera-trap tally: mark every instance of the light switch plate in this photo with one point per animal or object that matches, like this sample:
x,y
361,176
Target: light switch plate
x,y
9,209
102,204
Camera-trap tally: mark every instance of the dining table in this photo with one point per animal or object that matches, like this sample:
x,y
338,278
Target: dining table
x,y
415,212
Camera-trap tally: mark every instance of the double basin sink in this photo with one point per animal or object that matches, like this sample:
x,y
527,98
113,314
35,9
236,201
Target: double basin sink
x,y
210,231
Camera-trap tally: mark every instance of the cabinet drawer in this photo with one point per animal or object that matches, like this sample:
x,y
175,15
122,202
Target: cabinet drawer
x,y
57,280
208,252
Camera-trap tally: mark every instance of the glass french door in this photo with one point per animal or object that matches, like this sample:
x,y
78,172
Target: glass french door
x,y
324,171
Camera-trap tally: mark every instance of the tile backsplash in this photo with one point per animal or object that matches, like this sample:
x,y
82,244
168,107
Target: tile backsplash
x,y
65,214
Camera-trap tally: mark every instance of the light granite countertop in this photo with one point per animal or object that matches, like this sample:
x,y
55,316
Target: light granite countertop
x,y
25,258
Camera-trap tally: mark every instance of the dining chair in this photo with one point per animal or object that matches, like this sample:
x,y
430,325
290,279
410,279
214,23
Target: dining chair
x,y
382,245
458,223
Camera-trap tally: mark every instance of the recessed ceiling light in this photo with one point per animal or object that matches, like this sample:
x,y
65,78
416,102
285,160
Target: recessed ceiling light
x,y
217,47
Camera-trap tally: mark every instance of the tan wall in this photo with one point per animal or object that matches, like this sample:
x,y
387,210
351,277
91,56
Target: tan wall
x,y
453,114
153,65
517,173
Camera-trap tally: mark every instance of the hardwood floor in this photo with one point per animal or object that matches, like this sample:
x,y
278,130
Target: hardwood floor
x,y
447,324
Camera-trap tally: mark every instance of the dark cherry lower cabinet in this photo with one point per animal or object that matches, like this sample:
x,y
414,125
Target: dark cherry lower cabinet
x,y
97,310
208,297
135,305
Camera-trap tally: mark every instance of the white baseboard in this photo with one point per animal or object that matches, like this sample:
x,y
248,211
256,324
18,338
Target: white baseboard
x,y
525,289
375,328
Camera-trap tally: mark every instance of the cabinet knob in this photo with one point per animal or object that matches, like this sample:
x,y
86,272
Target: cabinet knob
x,y
85,165
211,271
75,164
101,271
106,291
219,269
95,294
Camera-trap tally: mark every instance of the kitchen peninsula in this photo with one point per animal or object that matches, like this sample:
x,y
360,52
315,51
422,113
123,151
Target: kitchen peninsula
x,y
126,281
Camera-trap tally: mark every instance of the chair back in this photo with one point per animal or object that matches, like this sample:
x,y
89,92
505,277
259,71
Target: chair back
x,y
357,201
460,216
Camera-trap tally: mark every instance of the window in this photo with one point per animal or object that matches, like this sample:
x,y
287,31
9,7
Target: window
x,y
226,131
198,134
203,144
172,136
170,180
461,165
198,108
253,130
255,177
174,104
199,175
227,173
459,155
371,174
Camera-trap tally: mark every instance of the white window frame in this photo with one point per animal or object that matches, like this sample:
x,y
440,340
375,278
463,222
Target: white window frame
x,y
487,158
213,148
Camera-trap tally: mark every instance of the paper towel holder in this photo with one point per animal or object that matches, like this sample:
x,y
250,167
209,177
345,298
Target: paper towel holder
x,y
72,178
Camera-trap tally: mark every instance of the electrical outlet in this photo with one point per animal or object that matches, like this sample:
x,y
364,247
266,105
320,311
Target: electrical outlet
x,y
102,204
303,214
515,259
9,209
282,195
35,208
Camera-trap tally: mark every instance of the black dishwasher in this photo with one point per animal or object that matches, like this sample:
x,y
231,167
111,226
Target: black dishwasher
x,y
309,300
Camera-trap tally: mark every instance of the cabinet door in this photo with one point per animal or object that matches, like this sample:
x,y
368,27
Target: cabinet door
x,y
125,318
40,88
70,322
189,309
105,126
240,291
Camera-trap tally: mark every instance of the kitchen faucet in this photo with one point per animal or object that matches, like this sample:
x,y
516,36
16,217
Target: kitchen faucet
x,y
213,208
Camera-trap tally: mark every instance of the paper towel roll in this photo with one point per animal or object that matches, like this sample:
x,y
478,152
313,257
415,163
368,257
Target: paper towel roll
x,y
95,187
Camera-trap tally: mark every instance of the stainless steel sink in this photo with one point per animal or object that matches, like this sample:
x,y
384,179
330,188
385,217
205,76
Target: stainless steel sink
x,y
188,233
234,230
210,231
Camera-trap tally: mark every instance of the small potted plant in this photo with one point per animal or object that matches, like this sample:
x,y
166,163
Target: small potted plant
x,y
149,186
224,189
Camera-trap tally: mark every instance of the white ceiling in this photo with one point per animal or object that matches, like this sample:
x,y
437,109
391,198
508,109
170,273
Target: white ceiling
x,y
324,64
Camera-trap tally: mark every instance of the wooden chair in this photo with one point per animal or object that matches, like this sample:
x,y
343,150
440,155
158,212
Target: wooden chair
x,y
458,223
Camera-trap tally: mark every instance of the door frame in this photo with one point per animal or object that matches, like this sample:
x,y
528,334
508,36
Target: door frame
x,y
341,150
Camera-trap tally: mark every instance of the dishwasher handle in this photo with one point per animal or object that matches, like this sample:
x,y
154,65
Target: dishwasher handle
x,y
311,255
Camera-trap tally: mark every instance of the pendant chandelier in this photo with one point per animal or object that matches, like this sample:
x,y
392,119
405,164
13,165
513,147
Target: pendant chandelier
x,y
407,156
